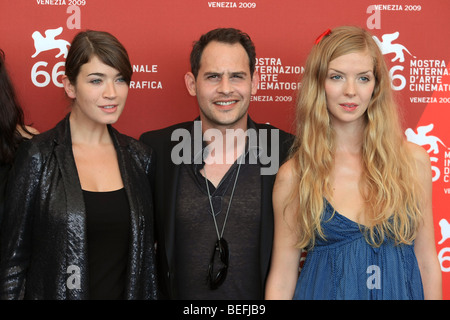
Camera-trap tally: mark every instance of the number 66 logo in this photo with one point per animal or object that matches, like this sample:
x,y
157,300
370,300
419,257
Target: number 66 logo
x,y
444,258
37,75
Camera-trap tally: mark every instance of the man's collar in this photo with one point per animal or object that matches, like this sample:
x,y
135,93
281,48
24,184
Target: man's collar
x,y
197,153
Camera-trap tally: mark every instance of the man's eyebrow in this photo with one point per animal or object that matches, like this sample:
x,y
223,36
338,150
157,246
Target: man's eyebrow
x,y
223,73
212,73
239,73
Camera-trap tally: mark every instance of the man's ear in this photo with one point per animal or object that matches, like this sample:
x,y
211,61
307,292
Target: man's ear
x,y
255,82
69,87
190,82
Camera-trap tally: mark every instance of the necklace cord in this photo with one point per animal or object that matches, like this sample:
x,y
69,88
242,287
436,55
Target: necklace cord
x,y
219,236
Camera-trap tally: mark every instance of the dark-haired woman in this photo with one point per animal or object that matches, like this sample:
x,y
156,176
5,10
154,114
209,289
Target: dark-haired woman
x,y
12,127
80,224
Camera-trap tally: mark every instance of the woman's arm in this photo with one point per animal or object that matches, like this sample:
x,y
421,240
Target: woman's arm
x,y
15,241
285,261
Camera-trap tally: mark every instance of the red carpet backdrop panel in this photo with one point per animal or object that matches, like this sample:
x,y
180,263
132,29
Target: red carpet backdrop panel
x,y
414,37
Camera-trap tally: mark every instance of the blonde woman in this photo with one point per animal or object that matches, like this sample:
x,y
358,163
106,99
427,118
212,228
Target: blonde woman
x,y
354,193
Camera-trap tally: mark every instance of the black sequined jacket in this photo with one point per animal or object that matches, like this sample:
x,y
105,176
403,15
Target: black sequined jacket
x,y
43,233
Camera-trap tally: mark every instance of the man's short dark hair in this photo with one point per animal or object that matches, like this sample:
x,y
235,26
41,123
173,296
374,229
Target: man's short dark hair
x,y
224,35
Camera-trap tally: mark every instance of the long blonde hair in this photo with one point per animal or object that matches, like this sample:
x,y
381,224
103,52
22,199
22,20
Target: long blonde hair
x,y
388,185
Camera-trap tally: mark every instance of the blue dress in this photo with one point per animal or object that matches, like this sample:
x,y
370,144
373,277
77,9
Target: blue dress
x,y
345,266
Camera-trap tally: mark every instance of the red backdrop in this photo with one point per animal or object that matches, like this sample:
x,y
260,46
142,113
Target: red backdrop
x,y
415,37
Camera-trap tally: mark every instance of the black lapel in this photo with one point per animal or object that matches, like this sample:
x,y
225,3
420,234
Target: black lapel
x,y
76,251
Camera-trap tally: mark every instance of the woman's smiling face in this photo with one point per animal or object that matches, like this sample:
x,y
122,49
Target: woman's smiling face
x,y
349,86
99,93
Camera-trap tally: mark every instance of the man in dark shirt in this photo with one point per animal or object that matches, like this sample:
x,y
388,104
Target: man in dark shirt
x,y
214,179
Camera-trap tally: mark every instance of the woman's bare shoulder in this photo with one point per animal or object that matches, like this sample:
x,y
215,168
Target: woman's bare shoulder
x,y
419,153
286,178
287,170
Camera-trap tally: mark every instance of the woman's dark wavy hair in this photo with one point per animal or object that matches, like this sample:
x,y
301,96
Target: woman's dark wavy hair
x,y
105,46
11,116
